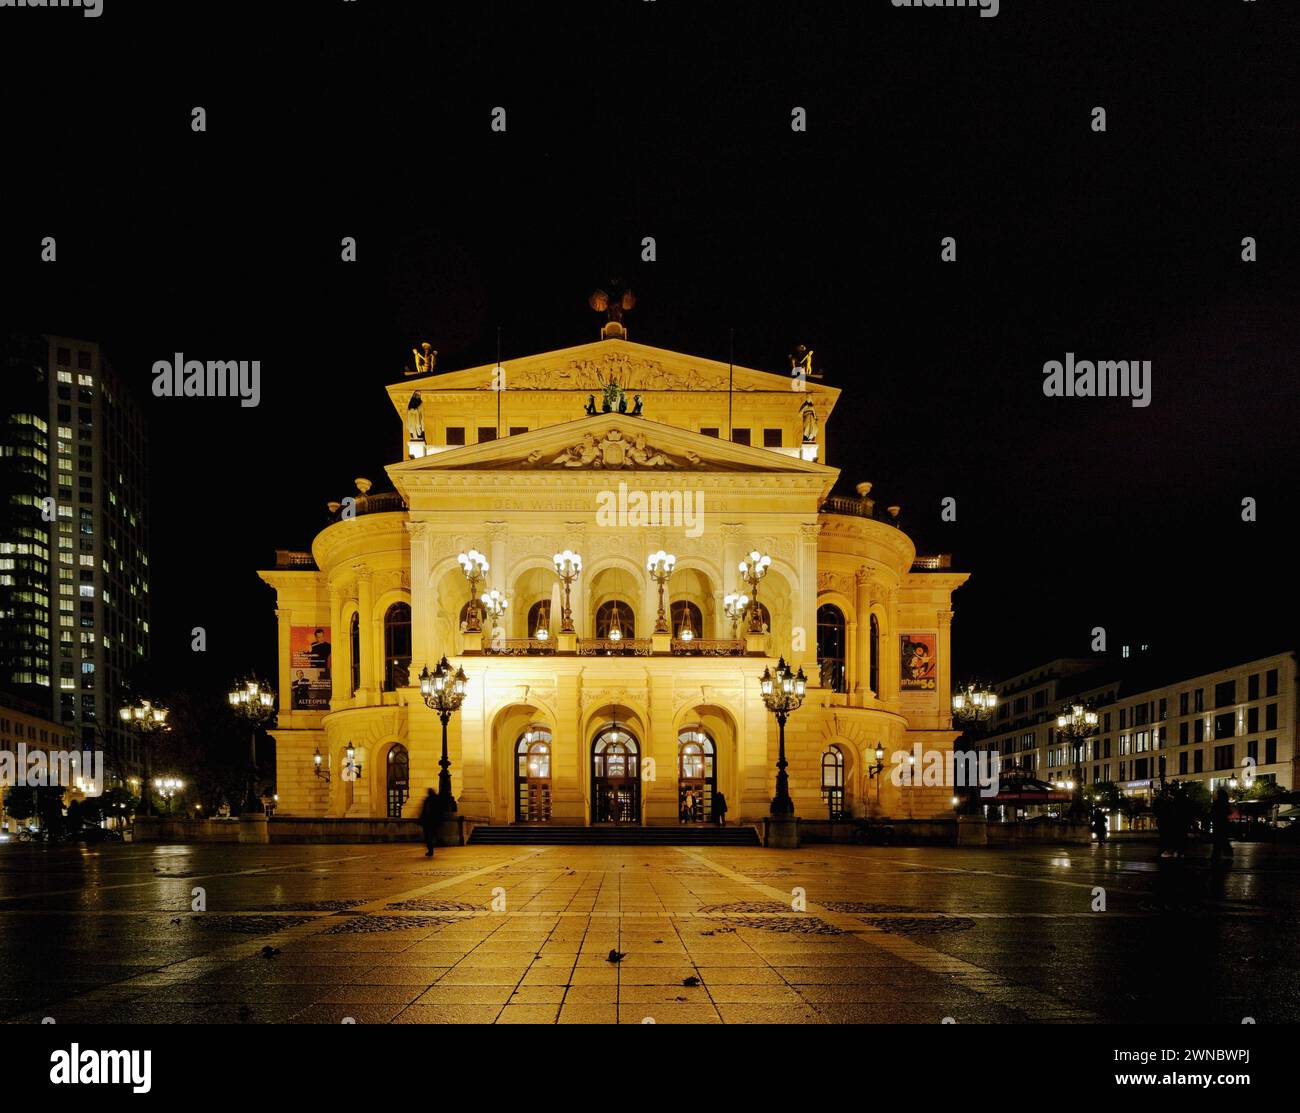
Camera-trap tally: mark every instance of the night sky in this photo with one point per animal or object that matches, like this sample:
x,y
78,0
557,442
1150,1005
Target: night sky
x,y
648,117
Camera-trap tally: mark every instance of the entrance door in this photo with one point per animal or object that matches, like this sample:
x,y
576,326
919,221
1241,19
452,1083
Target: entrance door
x,y
615,777
399,780
697,776
533,776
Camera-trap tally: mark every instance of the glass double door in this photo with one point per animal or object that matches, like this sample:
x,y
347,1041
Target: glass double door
x,y
615,777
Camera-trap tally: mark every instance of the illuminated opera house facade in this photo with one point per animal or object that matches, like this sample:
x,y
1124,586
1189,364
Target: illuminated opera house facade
x,y
630,716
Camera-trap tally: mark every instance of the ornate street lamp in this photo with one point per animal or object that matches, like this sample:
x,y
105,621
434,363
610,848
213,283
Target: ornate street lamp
x,y
494,604
444,692
974,703
752,570
255,704
568,565
144,719
783,692
874,771
475,565
317,761
972,706
660,565
1074,727
733,606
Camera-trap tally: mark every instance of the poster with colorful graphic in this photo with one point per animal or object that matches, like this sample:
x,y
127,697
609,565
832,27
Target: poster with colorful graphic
x,y
919,663
309,668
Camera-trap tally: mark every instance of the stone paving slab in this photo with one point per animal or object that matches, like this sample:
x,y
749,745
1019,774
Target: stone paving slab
x,y
831,934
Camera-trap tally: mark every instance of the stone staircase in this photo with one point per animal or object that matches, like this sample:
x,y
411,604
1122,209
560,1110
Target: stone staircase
x,y
624,835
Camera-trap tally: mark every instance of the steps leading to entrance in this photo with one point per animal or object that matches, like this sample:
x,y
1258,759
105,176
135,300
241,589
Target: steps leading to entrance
x,y
627,835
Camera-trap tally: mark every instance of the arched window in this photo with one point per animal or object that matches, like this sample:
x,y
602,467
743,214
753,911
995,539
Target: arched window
x,y
399,779
533,776
539,618
683,612
397,646
354,647
833,781
605,619
830,647
873,647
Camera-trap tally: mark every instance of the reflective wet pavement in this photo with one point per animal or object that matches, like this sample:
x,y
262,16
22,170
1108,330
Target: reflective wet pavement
x,y
501,934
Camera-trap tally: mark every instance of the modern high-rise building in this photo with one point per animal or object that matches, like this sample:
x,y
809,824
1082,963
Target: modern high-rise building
x,y
74,564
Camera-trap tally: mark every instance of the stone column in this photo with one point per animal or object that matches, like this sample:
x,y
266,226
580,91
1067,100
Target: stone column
x,y
340,648
368,688
423,605
470,761
862,692
569,756
943,677
284,619
804,601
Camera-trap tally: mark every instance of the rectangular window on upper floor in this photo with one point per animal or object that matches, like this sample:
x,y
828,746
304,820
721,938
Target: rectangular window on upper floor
x,y
771,438
740,436
455,434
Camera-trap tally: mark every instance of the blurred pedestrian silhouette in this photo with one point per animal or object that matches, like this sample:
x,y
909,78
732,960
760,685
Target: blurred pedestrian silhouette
x,y
1219,825
719,809
429,815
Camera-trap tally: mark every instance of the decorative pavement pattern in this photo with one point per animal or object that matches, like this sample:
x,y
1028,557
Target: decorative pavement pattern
x,y
580,934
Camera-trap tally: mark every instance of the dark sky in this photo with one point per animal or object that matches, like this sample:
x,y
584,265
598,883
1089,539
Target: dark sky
x,y
647,117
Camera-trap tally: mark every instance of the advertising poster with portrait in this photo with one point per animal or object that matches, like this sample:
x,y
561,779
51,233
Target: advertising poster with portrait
x,y
919,663
309,668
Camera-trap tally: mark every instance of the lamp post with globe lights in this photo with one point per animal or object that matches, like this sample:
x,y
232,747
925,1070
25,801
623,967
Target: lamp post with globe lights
x,y
474,565
660,565
568,566
254,703
972,706
1074,726
783,692
144,720
752,570
444,691
733,606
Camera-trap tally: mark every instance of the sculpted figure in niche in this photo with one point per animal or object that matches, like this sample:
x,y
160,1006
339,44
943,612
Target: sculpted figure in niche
x,y
415,418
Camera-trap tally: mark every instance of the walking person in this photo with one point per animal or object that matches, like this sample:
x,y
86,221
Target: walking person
x,y
690,806
429,811
719,809
1219,825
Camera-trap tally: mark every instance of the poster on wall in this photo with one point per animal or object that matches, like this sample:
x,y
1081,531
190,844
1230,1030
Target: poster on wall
x,y
919,664
309,668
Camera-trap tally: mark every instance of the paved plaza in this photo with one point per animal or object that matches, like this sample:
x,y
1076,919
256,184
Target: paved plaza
x,y
516,934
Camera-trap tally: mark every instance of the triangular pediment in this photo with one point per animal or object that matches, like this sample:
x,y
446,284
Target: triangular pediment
x,y
609,442
638,368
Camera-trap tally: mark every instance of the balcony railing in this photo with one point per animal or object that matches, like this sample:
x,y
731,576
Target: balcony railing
x,y
936,563
288,558
708,647
605,647
841,504
518,647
